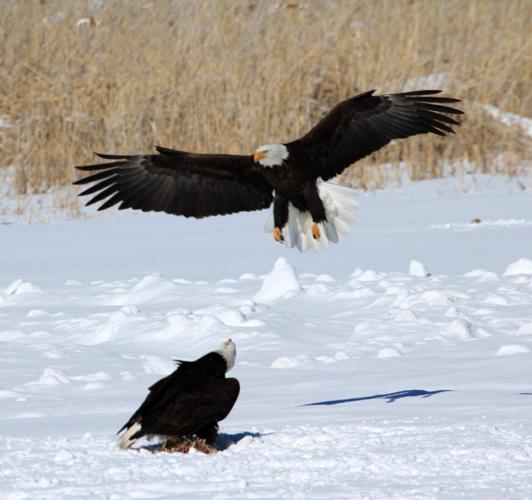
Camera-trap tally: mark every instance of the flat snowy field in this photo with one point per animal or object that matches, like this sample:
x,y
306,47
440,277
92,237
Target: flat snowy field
x,y
363,374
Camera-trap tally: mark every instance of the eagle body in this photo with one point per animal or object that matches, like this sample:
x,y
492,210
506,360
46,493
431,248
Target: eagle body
x,y
188,403
307,212
291,182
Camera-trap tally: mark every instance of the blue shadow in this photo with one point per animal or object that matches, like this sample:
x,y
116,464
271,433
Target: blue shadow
x,y
223,441
525,393
390,397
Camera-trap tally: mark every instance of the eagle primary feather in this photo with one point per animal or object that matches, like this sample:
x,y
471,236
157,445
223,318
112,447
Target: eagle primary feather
x,y
201,185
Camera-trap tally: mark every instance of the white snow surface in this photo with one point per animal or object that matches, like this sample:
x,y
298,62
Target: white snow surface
x,y
363,375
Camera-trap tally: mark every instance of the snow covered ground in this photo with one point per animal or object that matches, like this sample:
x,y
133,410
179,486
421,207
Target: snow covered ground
x,y
396,364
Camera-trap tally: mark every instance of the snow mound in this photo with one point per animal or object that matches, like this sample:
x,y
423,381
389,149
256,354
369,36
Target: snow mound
x,y
525,329
19,286
388,353
150,287
495,300
418,269
281,280
405,315
110,329
72,282
180,322
202,321
227,315
52,376
285,362
6,393
365,276
93,377
522,266
510,349
460,328
248,276
209,325
481,275
325,278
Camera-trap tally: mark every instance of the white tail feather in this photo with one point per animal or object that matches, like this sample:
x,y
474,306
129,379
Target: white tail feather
x,y
125,440
340,206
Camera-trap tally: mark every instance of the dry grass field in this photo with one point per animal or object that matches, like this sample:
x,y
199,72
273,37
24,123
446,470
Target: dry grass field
x,y
227,76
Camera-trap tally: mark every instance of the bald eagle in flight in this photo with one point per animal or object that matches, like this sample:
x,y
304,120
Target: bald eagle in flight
x,y
307,212
185,407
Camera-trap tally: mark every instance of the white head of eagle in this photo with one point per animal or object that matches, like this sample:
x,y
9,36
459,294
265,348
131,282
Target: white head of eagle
x,y
228,351
271,155
187,404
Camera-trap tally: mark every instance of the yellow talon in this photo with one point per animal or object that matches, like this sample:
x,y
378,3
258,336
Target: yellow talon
x,y
277,235
316,233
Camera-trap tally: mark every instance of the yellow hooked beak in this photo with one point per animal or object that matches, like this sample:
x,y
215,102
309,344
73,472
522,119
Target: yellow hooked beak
x,y
258,155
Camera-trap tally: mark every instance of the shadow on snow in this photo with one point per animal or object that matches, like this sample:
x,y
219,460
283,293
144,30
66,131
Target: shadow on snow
x,y
223,441
390,397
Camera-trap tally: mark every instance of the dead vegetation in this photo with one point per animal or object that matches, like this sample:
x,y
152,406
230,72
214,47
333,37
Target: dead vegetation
x,y
226,76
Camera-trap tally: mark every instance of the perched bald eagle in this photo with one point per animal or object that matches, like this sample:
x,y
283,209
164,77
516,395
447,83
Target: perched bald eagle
x,y
307,213
185,407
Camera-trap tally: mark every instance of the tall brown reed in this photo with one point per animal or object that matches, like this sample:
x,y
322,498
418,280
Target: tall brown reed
x,y
227,76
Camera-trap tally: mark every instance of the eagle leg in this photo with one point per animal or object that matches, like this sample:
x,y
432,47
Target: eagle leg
x,y
315,207
280,216
316,233
209,433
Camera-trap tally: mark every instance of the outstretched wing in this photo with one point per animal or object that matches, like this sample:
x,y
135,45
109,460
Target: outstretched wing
x,y
177,182
190,410
363,124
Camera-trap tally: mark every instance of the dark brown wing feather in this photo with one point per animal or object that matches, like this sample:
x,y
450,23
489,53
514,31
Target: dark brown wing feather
x,y
184,382
192,408
364,123
180,183
160,395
